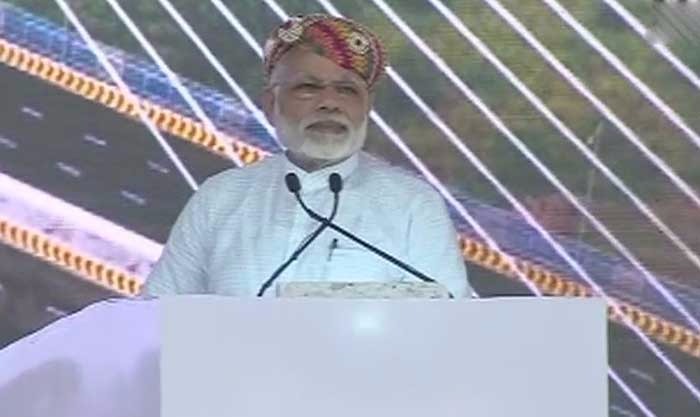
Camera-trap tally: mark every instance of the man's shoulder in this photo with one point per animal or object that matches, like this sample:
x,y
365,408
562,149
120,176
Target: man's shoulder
x,y
386,176
233,178
237,182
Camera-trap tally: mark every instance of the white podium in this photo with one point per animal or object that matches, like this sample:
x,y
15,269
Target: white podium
x,y
314,357
438,358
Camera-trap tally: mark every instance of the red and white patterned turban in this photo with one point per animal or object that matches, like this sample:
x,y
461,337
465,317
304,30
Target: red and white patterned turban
x,y
343,41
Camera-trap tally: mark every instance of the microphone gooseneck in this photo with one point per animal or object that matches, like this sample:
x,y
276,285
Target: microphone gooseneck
x,y
294,186
335,183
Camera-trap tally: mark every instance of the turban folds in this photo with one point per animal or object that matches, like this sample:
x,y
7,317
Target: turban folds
x,y
343,41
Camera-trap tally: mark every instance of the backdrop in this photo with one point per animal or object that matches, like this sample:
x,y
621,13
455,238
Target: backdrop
x,y
563,135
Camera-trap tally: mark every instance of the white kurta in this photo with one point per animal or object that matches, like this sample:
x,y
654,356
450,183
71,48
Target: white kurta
x,y
243,223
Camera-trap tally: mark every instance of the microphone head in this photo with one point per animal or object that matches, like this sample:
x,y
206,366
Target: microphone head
x,y
292,181
335,182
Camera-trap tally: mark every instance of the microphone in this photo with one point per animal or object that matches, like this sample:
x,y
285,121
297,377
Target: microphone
x,y
294,186
335,182
336,185
292,181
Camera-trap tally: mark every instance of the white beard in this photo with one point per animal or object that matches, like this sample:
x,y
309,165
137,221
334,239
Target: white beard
x,y
318,145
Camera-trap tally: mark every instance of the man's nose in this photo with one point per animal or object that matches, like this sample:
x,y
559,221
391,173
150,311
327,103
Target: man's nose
x,y
328,100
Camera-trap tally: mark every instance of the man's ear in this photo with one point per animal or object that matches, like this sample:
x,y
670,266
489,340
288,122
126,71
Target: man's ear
x,y
267,100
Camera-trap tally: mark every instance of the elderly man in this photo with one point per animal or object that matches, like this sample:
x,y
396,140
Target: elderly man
x,y
243,223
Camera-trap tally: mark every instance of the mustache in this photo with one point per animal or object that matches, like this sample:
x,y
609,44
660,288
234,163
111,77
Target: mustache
x,y
336,118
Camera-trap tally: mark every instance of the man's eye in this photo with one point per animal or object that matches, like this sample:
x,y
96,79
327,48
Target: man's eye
x,y
348,90
307,88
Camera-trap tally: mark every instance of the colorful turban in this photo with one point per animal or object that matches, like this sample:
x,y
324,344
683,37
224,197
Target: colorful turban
x,y
347,43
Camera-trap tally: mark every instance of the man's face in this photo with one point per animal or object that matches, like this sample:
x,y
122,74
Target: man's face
x,y
318,108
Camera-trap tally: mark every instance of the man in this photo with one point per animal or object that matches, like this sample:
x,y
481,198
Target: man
x,y
243,223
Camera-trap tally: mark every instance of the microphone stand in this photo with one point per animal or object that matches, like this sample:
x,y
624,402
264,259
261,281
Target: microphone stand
x,y
325,223
329,223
